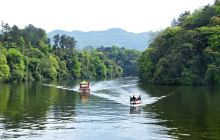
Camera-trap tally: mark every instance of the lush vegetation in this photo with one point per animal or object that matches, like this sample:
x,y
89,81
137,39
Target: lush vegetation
x,y
187,53
125,58
27,54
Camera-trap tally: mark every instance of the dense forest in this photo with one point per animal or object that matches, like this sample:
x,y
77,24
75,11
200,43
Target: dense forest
x,y
125,58
27,54
187,53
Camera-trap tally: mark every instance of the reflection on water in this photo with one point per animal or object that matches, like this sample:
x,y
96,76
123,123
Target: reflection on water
x,y
84,97
193,111
135,109
56,111
24,108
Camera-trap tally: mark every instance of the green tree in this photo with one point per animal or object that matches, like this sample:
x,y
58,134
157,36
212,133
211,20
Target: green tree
x,y
16,63
67,42
187,53
4,68
75,71
29,56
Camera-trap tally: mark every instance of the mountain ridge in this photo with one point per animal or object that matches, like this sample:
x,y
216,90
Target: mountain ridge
x,y
109,37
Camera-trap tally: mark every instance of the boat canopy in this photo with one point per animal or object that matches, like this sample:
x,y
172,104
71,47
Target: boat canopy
x,y
84,83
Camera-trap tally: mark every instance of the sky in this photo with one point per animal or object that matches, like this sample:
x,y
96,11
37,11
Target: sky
x,y
95,15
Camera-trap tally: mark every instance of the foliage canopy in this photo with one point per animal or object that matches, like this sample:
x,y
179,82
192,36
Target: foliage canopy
x,y
187,53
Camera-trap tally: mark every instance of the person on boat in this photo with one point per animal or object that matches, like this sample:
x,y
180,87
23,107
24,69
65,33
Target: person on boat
x,y
139,97
134,99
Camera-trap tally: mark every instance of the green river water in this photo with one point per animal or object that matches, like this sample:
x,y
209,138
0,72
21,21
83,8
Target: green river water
x,y
56,111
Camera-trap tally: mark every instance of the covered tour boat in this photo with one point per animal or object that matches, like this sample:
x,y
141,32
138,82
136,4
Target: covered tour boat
x,y
84,87
135,100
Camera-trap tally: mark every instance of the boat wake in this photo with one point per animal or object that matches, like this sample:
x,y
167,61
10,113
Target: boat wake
x,y
117,90
120,90
60,87
124,98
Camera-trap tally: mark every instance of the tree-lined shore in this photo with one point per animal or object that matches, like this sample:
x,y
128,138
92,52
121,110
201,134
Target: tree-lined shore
x,y
28,55
187,53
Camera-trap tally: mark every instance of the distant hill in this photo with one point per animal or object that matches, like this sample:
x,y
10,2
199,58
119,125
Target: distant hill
x,y
114,36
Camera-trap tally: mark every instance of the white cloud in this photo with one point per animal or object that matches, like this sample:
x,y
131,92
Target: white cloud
x,y
87,15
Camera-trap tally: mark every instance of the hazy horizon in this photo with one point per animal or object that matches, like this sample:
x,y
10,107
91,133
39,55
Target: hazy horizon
x,y
101,30
135,16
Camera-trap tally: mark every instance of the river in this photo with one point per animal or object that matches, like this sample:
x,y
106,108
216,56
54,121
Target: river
x,y
56,111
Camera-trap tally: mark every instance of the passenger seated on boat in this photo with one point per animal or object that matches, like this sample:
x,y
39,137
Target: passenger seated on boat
x,y
139,98
134,99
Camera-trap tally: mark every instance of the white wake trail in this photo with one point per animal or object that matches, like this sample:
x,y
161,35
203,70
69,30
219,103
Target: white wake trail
x,y
118,91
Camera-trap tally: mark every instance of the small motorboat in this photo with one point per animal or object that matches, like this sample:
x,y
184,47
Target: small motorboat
x,y
135,100
84,87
